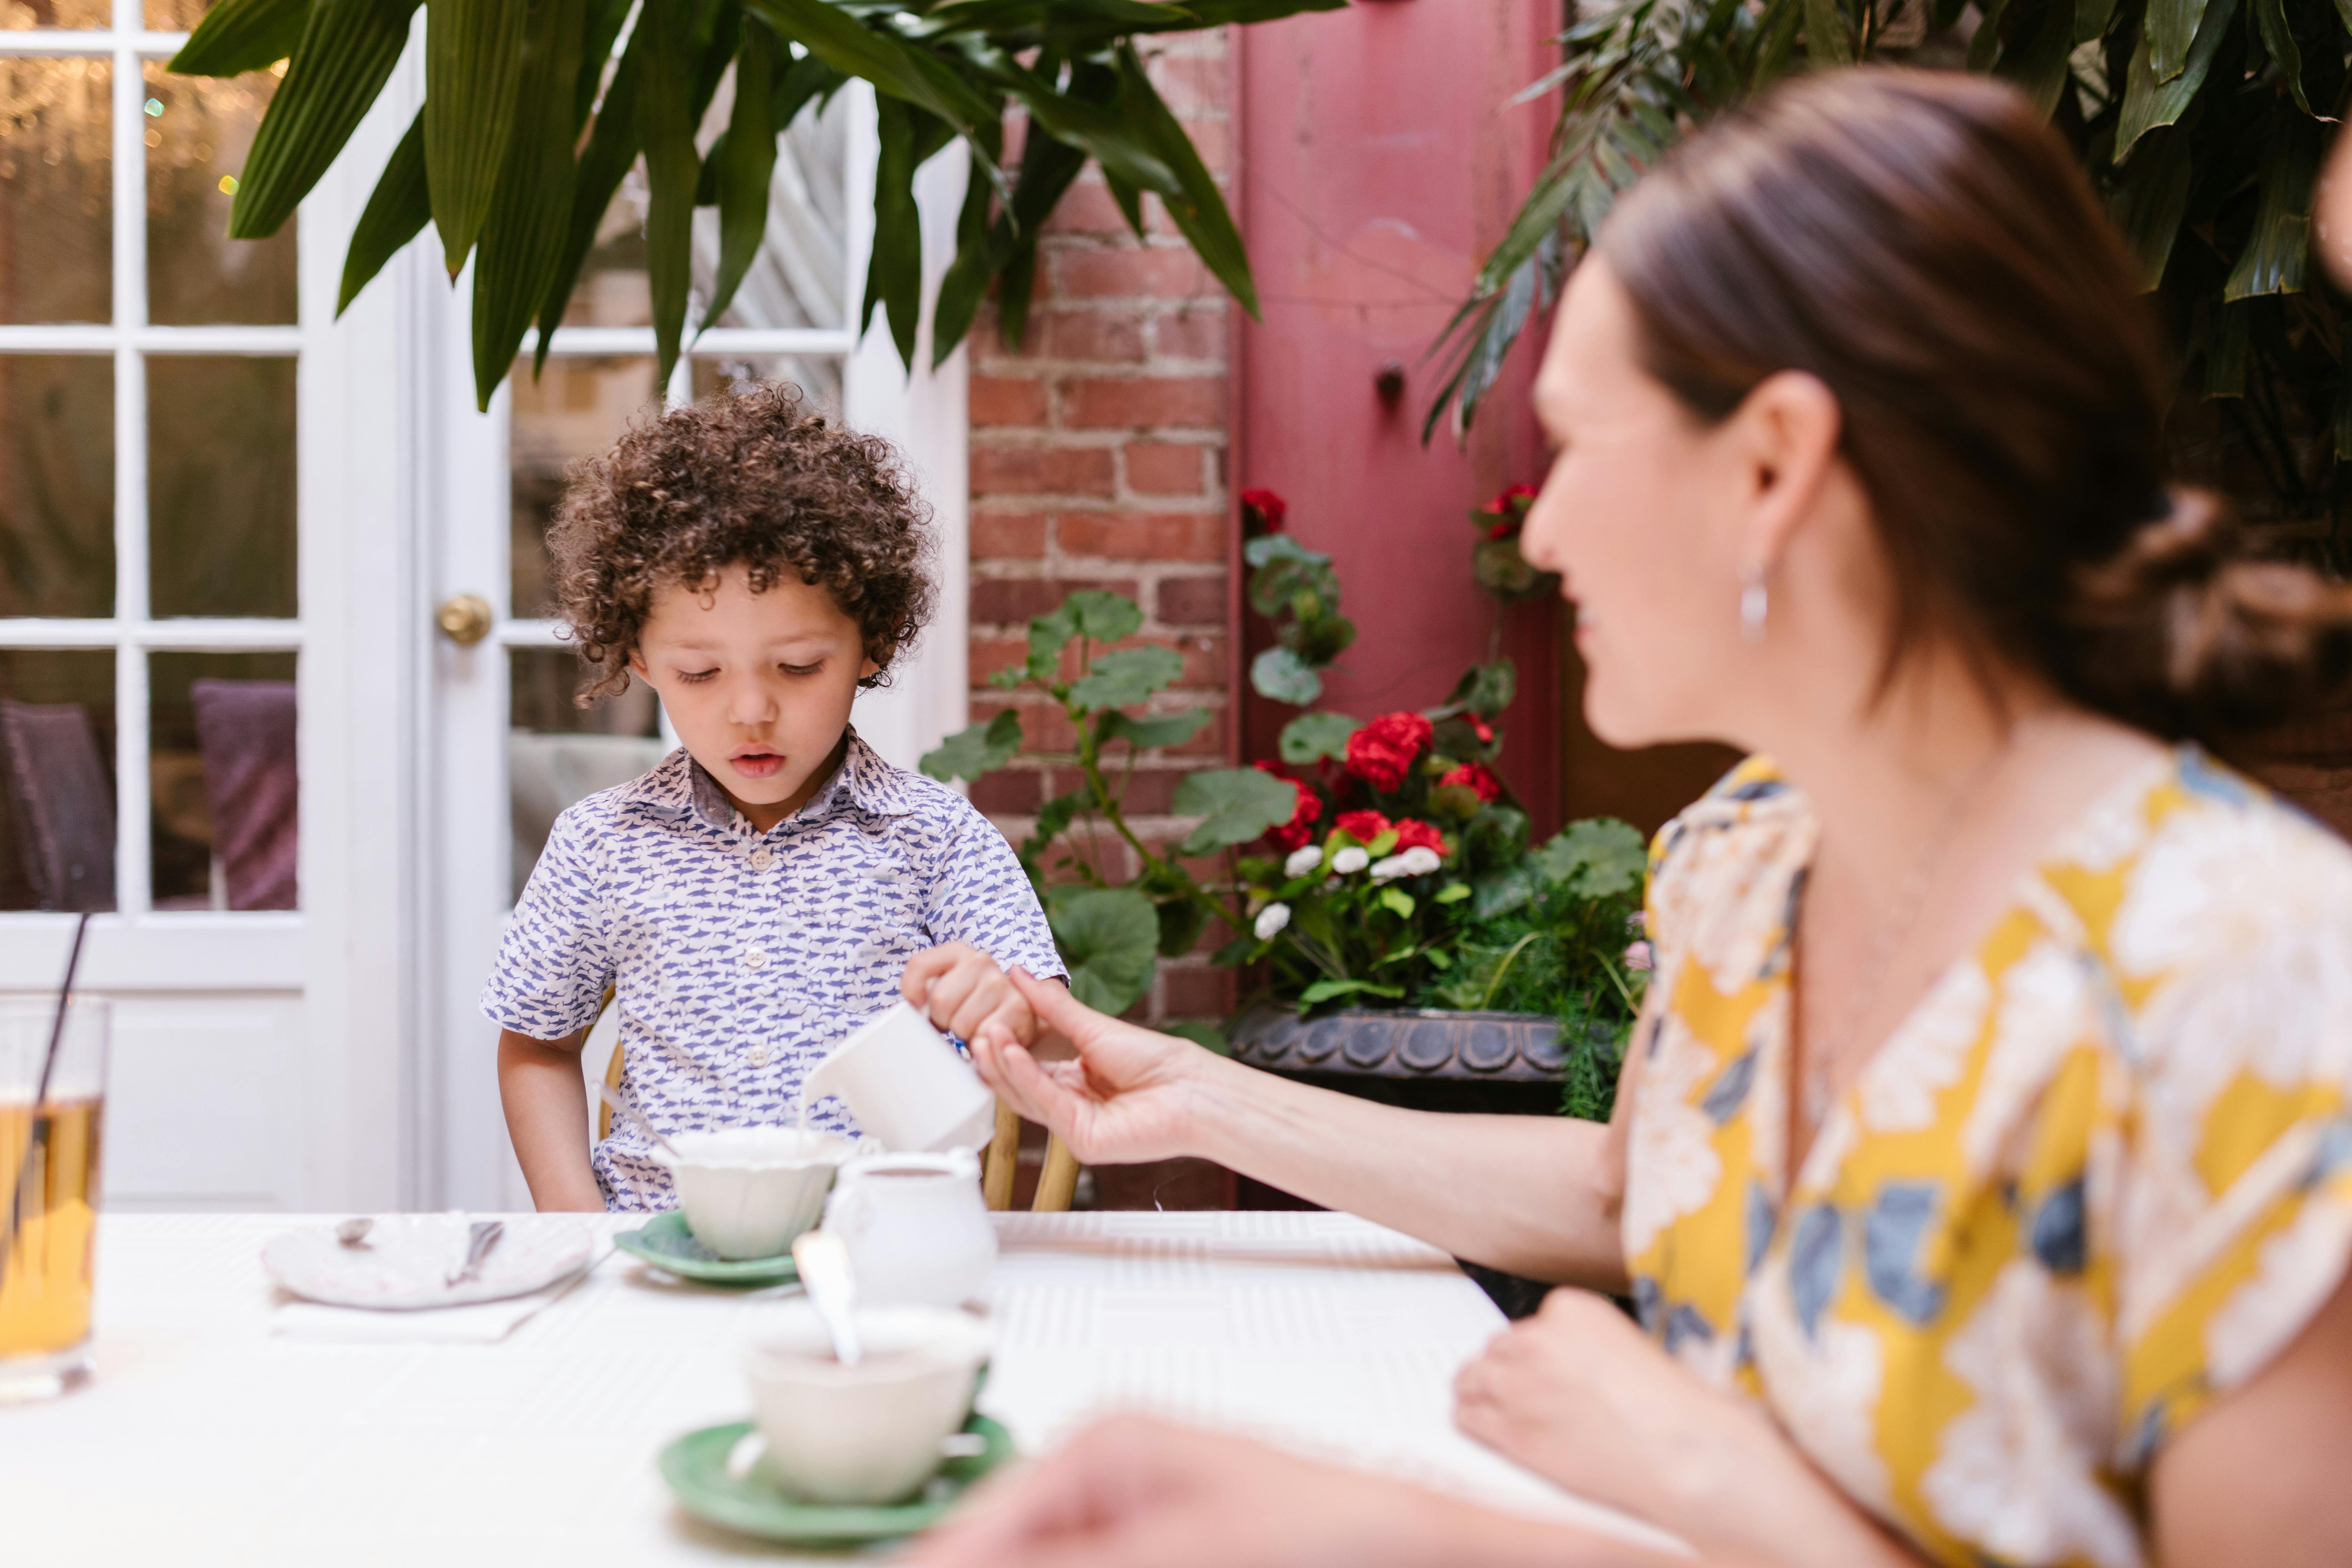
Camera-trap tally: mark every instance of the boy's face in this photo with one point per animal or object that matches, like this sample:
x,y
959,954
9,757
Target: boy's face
x,y
759,685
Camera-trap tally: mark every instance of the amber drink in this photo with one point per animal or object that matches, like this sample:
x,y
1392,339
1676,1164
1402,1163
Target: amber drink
x,y
49,1163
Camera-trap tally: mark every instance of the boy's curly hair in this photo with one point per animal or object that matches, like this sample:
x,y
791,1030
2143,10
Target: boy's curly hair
x,y
752,475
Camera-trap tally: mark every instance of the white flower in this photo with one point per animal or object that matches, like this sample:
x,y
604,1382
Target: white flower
x,y
1271,919
1418,861
1350,860
1302,862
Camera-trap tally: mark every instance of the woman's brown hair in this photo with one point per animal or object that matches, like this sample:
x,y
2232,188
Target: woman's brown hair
x,y
1923,245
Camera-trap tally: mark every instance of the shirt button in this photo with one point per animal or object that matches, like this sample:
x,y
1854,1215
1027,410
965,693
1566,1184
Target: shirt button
x,y
760,1054
760,858
754,958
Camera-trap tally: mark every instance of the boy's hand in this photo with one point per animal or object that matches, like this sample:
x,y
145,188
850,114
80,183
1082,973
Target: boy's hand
x,y
965,992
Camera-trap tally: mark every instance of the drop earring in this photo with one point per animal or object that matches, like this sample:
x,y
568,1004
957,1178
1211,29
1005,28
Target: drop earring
x,y
1754,604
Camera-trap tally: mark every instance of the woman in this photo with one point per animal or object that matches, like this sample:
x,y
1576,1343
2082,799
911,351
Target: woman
x,y
1982,1171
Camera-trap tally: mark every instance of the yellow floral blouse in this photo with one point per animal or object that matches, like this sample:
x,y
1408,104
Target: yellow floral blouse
x,y
2100,1174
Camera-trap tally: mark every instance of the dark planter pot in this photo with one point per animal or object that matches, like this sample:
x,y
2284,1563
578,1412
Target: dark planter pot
x,y
2308,762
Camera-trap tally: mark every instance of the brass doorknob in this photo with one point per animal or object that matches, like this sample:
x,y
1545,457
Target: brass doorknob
x,y
464,618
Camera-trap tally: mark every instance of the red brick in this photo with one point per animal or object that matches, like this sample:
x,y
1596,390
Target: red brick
x,y
1006,400
1009,791
1127,272
1164,469
1143,536
1087,208
1011,600
1187,991
1190,601
1192,83
1044,726
1192,333
1043,470
1209,743
991,654
1210,139
1021,534
1144,402
1098,336
1150,791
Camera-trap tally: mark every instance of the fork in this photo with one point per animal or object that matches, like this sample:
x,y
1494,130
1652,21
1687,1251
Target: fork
x,y
483,1236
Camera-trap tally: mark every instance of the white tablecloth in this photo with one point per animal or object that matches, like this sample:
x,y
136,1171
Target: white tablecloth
x,y
205,1438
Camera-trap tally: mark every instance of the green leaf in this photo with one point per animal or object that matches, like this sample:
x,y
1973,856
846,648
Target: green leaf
x,y
1196,207
742,171
1267,548
1397,899
2269,15
604,19
1165,729
240,36
473,79
2091,19
2148,104
981,749
1499,892
396,212
1131,202
1208,1036
1126,676
1103,616
1047,167
2039,67
522,237
1485,689
2279,244
1325,990
977,259
2152,200
1280,675
1598,857
894,271
665,122
897,68
1311,737
611,147
1451,893
1102,134
2168,34
347,53
1236,804
1180,922
1110,939
1826,38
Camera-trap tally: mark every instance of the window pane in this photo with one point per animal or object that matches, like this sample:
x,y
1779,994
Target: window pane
x,y
197,133
220,486
576,410
176,15
95,15
613,288
57,485
221,773
818,376
559,752
57,800
56,260
799,275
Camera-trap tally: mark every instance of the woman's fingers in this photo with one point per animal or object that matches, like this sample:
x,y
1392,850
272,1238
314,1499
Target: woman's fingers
x,y
1055,1103
1056,1008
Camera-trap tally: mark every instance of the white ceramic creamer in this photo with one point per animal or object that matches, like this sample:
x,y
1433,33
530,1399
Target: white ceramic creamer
x,y
916,1227
906,1084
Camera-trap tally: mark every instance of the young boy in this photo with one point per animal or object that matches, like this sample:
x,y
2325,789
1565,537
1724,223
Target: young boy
x,y
757,895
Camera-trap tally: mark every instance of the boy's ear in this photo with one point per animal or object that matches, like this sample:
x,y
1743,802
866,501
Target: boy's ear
x,y
637,665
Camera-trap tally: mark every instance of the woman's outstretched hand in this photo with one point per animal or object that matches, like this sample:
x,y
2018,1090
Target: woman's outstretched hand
x,y
1127,1096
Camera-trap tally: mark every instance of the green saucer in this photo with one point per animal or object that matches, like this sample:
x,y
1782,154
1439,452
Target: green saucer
x,y
695,1468
669,1246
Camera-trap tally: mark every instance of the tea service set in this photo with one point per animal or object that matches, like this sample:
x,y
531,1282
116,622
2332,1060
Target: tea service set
x,y
862,1422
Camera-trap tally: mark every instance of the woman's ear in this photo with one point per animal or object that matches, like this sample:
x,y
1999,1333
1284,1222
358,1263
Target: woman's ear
x,y
1787,432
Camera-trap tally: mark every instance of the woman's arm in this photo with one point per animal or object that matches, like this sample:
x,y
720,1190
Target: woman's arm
x,y
547,1117
1536,1196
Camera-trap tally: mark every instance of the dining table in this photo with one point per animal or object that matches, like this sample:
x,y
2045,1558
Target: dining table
x,y
215,1428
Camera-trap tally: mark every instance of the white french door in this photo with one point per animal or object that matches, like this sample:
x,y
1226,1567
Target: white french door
x,y
510,749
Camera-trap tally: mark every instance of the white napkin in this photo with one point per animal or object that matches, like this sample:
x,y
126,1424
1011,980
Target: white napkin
x,y
478,1322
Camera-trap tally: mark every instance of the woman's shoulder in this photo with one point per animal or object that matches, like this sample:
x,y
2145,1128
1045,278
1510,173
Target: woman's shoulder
x,y
1722,871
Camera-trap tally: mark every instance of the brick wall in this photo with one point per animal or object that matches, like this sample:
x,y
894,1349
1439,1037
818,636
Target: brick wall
x,y
1098,461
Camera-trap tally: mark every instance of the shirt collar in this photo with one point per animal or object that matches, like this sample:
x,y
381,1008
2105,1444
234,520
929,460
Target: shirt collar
x,y
864,784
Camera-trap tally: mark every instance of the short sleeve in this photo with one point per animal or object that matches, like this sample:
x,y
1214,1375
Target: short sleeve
x,y
555,961
2235,1213
980,895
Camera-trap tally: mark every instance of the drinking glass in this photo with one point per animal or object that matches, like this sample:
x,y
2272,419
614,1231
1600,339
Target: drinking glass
x,y
48,1165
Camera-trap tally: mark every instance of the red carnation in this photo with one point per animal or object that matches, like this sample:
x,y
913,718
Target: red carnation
x,y
1381,753
1363,826
1413,834
1263,511
1475,775
1293,834
1509,510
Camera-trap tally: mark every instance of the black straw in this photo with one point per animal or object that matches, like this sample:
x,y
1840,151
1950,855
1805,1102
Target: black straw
x,y
33,1140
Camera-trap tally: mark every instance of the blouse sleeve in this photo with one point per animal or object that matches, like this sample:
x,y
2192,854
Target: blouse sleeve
x,y
2234,1207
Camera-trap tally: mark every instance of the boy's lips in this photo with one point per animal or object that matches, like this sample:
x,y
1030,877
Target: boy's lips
x,y
757,762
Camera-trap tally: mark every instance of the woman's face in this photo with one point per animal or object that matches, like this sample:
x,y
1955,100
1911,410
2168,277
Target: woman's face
x,y
1640,517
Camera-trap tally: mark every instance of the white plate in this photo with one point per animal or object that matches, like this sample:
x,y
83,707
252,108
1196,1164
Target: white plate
x,y
408,1258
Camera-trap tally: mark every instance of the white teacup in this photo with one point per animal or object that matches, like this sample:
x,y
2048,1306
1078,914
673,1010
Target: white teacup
x,y
748,1191
872,1432
906,1084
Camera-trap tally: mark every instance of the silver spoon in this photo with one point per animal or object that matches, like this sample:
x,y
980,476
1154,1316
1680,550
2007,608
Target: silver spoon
x,y
478,1241
354,1232
637,1119
823,1265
